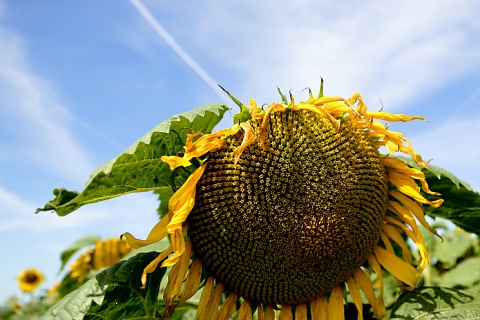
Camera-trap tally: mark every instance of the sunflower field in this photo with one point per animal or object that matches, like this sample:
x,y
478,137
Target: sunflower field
x,y
300,210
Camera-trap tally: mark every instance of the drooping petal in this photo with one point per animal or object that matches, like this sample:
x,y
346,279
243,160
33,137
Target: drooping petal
x,y
211,310
176,276
152,266
204,298
365,284
245,311
356,297
301,311
379,308
335,304
286,313
319,308
180,205
393,234
193,281
228,307
175,162
397,267
207,143
414,208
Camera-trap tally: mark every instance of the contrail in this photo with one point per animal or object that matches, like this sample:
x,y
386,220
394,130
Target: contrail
x,y
178,49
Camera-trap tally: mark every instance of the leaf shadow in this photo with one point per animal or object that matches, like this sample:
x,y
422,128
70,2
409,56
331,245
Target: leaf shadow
x,y
428,300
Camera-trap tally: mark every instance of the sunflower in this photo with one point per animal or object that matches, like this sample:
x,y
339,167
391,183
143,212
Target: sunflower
x,y
103,255
29,280
291,208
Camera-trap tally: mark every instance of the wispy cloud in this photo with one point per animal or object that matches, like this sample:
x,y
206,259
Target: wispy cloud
x,y
391,54
34,119
177,48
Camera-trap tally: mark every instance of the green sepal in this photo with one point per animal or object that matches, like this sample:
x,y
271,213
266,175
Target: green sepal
x,y
140,168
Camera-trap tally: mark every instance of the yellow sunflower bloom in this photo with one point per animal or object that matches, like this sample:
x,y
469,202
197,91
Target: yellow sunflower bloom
x,y
103,255
291,208
29,280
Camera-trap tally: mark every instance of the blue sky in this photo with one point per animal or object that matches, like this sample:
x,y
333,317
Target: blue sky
x,y
81,81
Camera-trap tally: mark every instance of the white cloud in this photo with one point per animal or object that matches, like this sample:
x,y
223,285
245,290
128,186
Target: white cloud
x,y
37,123
393,51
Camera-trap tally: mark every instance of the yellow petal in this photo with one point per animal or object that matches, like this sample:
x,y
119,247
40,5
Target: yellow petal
x,y
365,284
207,143
152,266
158,232
286,313
397,267
204,298
180,205
335,304
175,162
379,308
407,186
393,234
193,281
228,307
319,308
390,117
301,311
248,139
414,208
269,313
176,276
356,297
245,311
211,310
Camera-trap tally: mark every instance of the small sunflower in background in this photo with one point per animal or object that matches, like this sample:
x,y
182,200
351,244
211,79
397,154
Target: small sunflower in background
x,y
290,209
30,279
103,255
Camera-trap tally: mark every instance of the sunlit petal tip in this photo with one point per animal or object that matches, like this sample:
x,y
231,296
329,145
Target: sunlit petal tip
x,y
134,242
175,162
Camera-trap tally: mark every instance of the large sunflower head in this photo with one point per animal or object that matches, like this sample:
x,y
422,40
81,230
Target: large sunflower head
x,y
29,280
291,207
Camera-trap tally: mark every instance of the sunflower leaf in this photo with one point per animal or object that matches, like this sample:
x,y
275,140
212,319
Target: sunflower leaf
x,y
139,168
117,282
436,303
461,205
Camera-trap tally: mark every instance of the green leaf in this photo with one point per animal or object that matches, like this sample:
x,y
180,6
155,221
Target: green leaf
x,y
465,274
139,168
74,305
461,203
164,196
455,245
437,303
95,291
437,172
77,245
